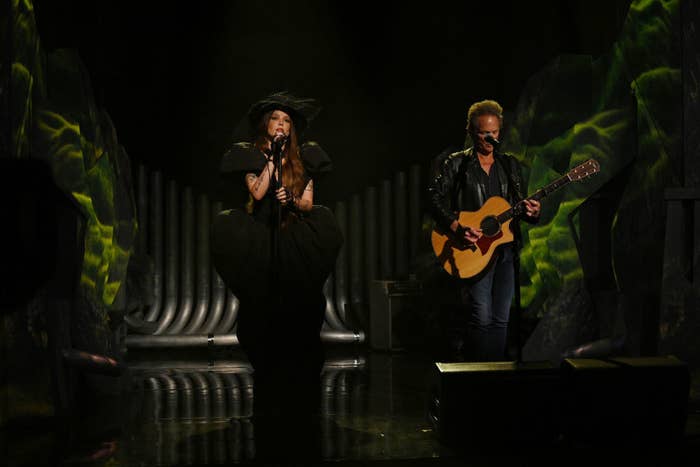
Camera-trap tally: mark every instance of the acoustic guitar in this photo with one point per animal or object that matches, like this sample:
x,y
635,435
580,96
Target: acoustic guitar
x,y
466,260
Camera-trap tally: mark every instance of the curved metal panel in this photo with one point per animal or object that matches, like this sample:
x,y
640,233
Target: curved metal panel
x,y
230,314
171,259
415,209
400,225
385,231
203,269
371,239
195,340
142,206
155,245
342,337
355,254
341,264
330,315
218,290
186,292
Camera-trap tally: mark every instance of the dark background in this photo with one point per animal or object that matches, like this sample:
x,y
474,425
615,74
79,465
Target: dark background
x,y
395,80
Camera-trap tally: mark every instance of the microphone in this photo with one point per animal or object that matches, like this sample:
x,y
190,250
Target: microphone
x,y
277,142
492,141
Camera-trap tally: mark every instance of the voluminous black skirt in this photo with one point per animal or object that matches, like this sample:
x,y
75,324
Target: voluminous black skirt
x,y
288,313
308,246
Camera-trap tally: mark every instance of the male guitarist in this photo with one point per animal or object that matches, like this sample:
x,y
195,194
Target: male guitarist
x,y
464,180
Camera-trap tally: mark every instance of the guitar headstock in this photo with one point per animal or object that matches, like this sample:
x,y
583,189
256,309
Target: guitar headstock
x,y
588,168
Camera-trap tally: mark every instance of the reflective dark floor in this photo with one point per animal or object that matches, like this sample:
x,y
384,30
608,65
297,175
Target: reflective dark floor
x,y
370,408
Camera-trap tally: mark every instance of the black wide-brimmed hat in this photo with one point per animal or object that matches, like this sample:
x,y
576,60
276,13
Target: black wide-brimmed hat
x,y
301,110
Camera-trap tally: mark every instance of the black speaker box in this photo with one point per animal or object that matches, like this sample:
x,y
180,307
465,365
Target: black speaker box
x,y
631,401
636,400
394,322
495,403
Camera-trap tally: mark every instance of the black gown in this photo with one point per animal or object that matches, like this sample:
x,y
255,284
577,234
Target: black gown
x,y
279,321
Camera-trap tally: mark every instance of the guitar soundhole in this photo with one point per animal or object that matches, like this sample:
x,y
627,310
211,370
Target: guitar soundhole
x,y
490,226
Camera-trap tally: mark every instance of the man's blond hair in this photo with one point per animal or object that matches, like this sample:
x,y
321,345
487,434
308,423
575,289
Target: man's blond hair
x,y
485,107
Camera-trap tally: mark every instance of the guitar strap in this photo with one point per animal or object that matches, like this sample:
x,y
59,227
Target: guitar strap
x,y
512,182
514,186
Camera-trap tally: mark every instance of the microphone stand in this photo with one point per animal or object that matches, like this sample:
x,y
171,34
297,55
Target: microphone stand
x,y
517,319
276,219
518,308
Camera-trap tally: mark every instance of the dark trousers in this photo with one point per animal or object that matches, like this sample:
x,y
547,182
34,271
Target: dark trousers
x,y
480,327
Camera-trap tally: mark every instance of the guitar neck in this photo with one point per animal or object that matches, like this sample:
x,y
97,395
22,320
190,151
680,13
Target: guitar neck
x,y
517,210
552,187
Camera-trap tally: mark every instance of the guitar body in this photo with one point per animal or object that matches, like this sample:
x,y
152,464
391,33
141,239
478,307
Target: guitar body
x,y
467,261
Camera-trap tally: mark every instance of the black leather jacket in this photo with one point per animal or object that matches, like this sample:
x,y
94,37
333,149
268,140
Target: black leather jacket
x,y
458,186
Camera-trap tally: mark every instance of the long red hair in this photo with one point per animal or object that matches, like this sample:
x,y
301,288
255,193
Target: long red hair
x,y
293,169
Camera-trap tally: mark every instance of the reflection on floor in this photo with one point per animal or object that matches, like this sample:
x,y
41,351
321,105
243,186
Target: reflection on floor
x,y
369,408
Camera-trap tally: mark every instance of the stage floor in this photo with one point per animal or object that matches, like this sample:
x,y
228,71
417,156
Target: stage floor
x,y
185,408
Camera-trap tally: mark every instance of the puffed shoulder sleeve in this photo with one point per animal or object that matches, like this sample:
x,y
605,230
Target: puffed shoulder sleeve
x,y
242,157
315,159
